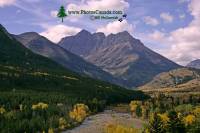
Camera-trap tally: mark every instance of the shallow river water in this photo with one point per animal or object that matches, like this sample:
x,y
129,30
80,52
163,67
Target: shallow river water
x,y
96,123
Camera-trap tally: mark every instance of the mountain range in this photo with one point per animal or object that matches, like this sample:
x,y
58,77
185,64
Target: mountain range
x,y
22,70
119,54
42,46
194,64
182,79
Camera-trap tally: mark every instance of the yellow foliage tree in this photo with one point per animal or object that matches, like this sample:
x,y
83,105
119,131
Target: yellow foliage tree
x,y
2,110
62,123
164,117
189,119
133,105
114,128
79,112
197,111
50,130
40,105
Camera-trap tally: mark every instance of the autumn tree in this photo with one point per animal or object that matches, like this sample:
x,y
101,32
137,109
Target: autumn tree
x,y
175,125
79,112
155,125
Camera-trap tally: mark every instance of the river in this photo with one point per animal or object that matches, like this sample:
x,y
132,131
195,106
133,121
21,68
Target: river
x,y
96,123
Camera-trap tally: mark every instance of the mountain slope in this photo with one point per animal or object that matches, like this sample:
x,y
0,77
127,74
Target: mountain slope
x,y
21,69
121,55
40,45
183,79
83,43
194,64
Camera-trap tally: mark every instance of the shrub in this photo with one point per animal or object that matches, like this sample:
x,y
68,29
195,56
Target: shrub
x,y
62,123
115,128
40,105
2,110
189,119
79,112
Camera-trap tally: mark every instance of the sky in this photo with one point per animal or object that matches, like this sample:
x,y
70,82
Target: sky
x,y
169,27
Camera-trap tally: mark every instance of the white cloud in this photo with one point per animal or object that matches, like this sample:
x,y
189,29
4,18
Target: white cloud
x,y
182,16
157,36
183,1
57,32
115,27
151,21
54,13
183,44
100,5
6,2
186,41
167,17
32,1
18,11
92,5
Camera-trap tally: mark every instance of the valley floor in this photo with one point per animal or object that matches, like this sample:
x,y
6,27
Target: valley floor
x,y
97,123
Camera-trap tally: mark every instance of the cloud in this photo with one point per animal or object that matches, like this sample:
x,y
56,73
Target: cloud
x,y
151,21
183,43
92,5
183,1
54,13
167,17
18,11
32,1
57,32
31,8
157,36
99,5
12,2
182,16
6,2
186,41
115,27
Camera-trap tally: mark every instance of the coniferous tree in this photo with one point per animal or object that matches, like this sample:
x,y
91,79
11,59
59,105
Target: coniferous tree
x,y
175,123
156,125
62,13
138,111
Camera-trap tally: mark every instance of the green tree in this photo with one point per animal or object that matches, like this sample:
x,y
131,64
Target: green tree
x,y
138,111
156,125
175,123
62,13
194,128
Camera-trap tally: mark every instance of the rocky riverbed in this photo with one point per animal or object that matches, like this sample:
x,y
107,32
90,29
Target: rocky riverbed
x,y
96,123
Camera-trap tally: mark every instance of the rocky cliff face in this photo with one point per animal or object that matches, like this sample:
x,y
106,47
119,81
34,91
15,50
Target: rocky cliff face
x,y
119,54
40,45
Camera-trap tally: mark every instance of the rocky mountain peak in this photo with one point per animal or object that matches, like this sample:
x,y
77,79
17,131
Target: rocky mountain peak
x,y
121,38
194,64
84,33
31,35
3,29
100,35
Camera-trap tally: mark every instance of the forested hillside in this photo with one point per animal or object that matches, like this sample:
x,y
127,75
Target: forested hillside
x,y
38,95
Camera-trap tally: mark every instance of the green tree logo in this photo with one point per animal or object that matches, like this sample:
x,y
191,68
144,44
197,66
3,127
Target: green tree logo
x,y
62,13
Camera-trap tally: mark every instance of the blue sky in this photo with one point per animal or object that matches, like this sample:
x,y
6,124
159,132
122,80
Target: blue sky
x,y
156,22
26,14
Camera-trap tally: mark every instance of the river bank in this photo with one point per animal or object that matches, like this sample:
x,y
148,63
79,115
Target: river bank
x,y
96,123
